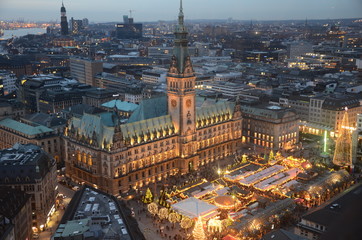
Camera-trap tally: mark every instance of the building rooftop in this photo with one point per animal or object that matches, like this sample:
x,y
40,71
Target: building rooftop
x,y
267,111
341,215
282,234
120,105
328,212
147,109
24,163
24,128
45,119
339,102
80,109
97,215
100,92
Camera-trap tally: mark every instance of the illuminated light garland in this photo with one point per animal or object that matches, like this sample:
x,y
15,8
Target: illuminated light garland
x,y
174,217
199,232
152,208
163,213
186,223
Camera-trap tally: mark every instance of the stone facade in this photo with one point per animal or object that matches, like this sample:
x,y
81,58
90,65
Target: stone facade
x,y
270,127
163,137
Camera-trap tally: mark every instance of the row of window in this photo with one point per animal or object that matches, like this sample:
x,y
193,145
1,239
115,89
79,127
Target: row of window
x,y
156,170
148,147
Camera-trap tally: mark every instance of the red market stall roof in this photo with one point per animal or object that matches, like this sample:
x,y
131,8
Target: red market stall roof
x,y
229,237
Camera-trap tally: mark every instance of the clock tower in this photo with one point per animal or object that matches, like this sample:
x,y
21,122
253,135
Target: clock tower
x,y
181,96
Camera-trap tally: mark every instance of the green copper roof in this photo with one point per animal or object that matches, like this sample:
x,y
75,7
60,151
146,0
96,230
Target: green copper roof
x,y
24,128
181,59
150,125
202,102
120,105
150,108
217,109
99,127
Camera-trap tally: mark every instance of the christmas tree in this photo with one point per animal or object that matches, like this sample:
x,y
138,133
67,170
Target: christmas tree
x,y
198,232
271,156
148,197
343,151
244,158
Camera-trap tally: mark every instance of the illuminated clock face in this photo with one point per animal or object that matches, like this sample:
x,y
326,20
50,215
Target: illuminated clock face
x,y
173,103
188,103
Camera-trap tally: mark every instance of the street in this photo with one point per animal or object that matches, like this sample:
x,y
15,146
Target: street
x,y
58,214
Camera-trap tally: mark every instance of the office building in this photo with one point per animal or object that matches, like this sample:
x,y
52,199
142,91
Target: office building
x,y
76,26
227,89
20,65
11,109
270,127
84,70
28,168
8,81
12,132
321,113
97,96
155,76
128,29
31,88
295,49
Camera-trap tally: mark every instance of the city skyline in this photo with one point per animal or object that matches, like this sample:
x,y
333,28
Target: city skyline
x,y
143,11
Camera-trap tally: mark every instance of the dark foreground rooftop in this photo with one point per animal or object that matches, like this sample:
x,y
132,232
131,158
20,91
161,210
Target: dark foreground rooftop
x,y
93,214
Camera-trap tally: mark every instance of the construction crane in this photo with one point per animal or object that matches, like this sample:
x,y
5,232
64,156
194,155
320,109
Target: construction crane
x,y
130,13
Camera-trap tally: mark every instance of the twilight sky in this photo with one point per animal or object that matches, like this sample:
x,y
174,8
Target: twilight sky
x,y
153,10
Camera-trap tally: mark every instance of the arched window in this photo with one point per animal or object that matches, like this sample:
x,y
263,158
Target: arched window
x,y
84,157
90,160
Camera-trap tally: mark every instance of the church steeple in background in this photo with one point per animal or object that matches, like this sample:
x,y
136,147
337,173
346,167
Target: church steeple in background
x,y
63,21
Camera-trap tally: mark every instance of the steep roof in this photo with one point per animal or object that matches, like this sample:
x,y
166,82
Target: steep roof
x,y
151,125
150,108
98,127
215,110
120,105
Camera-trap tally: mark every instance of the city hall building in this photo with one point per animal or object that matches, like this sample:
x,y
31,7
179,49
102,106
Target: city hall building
x,y
164,136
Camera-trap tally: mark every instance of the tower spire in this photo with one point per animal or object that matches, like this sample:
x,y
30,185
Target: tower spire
x,y
181,18
181,59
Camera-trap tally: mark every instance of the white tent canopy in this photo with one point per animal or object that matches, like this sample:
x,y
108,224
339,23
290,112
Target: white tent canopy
x,y
193,208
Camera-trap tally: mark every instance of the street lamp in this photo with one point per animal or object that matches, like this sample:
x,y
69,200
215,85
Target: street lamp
x,y
219,172
233,196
